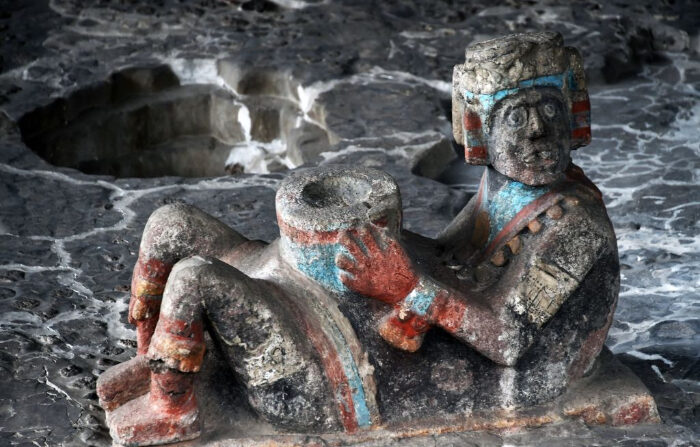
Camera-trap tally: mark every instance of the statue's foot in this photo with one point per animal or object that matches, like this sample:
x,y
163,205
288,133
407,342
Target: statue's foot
x,y
123,382
141,422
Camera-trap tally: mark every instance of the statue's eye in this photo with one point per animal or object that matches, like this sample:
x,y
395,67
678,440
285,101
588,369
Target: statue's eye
x,y
516,117
549,110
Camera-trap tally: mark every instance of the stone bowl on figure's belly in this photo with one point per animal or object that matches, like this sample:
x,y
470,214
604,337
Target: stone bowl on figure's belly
x,y
314,205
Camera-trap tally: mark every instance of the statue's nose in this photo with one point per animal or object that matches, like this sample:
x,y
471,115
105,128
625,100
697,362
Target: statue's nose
x,y
536,127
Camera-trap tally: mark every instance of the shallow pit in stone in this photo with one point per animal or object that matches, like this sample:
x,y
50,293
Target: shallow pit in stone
x,y
336,192
142,122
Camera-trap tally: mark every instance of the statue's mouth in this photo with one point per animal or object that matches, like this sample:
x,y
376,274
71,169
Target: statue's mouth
x,y
541,158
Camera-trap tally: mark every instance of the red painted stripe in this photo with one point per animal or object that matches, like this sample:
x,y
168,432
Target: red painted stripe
x,y
332,366
475,152
517,223
582,133
411,327
306,237
311,237
472,121
190,331
581,106
152,270
173,334
574,174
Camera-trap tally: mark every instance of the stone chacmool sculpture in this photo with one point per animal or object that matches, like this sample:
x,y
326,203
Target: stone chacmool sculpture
x,y
329,327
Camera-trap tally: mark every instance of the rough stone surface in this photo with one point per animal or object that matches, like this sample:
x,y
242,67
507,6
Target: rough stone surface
x,y
69,240
608,392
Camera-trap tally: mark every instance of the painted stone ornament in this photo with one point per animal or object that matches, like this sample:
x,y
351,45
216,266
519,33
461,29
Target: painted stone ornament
x,y
348,328
313,211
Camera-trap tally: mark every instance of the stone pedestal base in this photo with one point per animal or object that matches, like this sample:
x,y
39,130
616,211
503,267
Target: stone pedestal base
x,y
611,395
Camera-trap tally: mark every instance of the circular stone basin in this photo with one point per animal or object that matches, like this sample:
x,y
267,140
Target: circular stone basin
x,y
337,192
326,199
142,123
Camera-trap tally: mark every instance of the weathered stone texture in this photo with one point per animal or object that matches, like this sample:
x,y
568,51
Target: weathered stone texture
x,y
69,240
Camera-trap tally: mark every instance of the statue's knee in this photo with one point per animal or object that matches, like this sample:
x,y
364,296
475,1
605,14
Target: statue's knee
x,y
197,267
167,216
178,230
191,266
182,296
186,272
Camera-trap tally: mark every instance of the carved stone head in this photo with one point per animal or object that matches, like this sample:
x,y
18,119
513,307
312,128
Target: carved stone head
x,y
520,103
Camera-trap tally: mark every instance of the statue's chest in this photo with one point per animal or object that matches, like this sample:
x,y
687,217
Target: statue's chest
x,y
498,209
507,202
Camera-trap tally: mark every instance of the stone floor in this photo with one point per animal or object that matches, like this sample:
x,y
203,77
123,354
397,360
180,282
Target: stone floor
x,y
234,94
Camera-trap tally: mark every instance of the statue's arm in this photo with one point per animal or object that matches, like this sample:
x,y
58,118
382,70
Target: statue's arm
x,y
488,321
500,321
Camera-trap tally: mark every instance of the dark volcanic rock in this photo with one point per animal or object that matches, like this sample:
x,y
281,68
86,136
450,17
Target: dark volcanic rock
x,y
54,205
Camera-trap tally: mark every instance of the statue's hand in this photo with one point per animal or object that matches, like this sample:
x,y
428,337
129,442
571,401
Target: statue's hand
x,y
378,267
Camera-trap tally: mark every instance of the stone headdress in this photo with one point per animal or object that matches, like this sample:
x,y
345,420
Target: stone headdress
x,y
497,68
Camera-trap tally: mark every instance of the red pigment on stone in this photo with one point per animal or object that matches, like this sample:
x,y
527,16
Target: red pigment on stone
x,y
475,152
582,133
166,414
581,106
306,237
312,237
144,333
590,348
172,335
173,392
632,413
580,120
385,274
575,174
123,382
185,330
409,327
332,366
524,216
152,270
150,275
447,312
472,121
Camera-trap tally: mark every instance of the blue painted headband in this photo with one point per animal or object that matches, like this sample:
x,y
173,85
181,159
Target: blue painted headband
x,y
488,100
475,116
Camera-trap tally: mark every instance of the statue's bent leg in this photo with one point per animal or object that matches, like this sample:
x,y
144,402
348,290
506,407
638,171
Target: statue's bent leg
x,y
173,232
169,413
249,320
257,326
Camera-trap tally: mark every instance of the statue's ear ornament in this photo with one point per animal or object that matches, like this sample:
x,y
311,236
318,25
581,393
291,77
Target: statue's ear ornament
x,y
498,68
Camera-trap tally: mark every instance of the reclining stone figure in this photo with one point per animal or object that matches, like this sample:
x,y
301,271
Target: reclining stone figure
x,y
329,327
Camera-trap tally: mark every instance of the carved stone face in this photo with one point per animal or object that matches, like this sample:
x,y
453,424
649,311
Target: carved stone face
x,y
529,136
